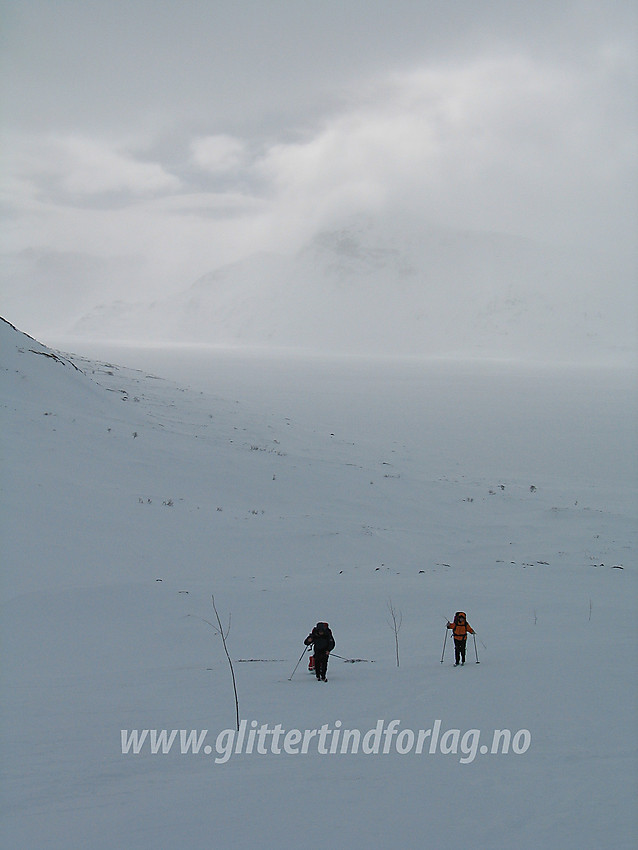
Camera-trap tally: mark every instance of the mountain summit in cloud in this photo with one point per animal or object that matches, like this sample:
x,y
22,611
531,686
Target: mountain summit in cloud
x,y
369,288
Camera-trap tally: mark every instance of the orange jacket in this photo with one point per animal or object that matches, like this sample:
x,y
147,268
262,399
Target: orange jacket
x,y
460,627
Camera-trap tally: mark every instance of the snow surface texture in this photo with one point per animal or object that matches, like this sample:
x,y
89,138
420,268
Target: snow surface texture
x,y
300,491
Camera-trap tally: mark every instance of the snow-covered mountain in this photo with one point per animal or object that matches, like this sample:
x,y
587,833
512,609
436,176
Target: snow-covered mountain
x,y
298,491
367,288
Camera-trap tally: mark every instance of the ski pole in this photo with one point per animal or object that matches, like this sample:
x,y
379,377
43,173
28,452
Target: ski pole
x,y
444,641
306,648
476,651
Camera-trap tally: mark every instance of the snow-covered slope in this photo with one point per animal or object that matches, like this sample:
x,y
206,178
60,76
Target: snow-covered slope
x,y
367,288
296,492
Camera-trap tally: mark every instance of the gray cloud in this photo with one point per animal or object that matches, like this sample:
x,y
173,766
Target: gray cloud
x,y
238,64
192,135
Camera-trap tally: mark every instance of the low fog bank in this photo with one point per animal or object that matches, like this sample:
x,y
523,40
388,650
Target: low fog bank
x,y
367,287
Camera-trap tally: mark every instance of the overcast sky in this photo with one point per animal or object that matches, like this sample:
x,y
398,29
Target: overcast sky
x,y
180,135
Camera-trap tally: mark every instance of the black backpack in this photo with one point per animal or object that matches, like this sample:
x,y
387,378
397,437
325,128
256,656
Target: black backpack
x,y
322,632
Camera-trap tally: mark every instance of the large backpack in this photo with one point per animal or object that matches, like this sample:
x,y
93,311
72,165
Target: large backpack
x,y
327,634
460,625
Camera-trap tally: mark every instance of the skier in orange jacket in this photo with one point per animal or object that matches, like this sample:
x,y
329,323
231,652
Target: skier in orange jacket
x,y
460,627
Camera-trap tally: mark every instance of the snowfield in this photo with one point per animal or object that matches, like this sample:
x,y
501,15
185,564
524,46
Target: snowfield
x,y
303,489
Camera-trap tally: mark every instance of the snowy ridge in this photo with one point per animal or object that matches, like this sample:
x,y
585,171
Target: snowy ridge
x,y
127,500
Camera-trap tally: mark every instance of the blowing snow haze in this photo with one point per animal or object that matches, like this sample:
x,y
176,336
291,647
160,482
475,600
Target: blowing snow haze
x,y
366,290
400,178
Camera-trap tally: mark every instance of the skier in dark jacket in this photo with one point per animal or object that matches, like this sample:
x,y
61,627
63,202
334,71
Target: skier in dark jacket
x,y
460,627
322,641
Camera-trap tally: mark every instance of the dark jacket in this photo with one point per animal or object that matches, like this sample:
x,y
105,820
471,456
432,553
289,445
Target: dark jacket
x,y
322,641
